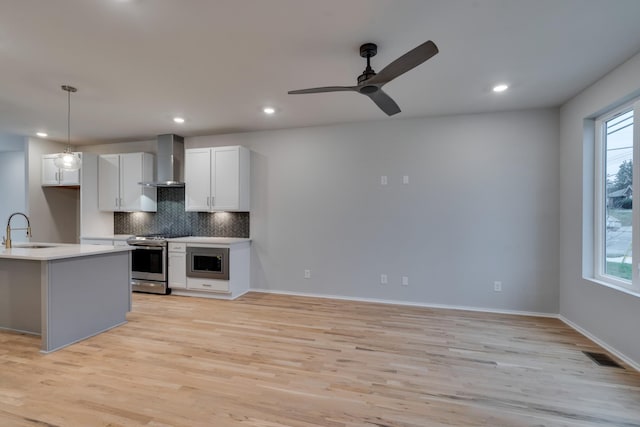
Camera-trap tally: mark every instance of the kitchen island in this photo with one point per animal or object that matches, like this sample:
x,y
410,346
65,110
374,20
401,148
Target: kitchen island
x,y
64,293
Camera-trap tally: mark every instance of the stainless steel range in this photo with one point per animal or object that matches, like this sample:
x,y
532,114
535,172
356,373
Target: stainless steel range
x,y
149,263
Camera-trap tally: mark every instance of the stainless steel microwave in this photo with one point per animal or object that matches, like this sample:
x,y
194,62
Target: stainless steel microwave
x,y
208,263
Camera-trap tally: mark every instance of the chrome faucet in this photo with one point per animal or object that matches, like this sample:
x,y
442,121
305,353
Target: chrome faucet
x,y
7,241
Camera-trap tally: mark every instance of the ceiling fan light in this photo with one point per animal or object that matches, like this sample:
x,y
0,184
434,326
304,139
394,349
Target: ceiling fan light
x,y
269,110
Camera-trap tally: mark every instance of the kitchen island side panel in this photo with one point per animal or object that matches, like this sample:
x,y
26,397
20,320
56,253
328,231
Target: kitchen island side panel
x,y
85,296
20,295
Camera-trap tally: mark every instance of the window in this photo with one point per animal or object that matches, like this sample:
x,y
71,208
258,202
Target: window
x,y
616,239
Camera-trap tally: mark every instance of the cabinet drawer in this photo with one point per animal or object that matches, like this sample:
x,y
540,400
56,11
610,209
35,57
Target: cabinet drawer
x,y
211,285
177,247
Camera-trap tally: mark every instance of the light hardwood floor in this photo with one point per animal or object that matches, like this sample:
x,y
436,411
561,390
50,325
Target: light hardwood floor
x,y
270,361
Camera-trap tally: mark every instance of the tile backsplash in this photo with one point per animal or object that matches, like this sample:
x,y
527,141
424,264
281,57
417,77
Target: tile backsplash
x,y
171,218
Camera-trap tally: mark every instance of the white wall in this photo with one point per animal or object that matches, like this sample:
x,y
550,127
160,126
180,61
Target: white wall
x,y
149,146
11,142
607,314
481,205
13,192
93,221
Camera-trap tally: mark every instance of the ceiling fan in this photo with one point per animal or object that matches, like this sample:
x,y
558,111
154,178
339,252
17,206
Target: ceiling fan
x,y
370,83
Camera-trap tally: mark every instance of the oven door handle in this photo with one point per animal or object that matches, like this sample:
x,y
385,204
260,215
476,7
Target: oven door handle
x,y
148,247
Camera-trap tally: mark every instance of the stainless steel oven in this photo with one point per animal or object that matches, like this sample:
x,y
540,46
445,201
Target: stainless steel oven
x,y
208,262
149,264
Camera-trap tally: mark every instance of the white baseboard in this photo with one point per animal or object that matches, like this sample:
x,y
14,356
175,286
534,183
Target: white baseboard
x,y
577,328
408,303
601,343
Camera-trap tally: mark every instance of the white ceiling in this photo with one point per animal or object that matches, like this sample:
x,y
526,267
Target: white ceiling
x,y
138,63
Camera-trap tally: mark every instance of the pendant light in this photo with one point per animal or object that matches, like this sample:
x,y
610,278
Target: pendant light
x,y
68,160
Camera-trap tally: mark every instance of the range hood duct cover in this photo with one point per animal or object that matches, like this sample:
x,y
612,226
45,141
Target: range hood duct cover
x,y
169,162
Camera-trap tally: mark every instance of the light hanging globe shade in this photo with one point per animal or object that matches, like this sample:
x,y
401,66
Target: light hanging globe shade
x,y
68,161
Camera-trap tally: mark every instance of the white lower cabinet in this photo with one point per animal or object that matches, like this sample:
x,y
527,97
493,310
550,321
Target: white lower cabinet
x,y
104,242
115,240
210,285
181,283
96,242
177,266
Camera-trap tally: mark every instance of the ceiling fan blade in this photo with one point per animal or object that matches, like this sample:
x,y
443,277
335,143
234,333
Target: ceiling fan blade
x,y
384,101
406,62
323,89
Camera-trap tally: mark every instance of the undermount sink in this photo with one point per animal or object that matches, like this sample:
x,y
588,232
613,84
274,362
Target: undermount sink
x,y
33,246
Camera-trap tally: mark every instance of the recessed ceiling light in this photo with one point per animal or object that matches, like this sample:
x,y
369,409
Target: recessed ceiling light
x,y
42,134
269,110
500,88
178,119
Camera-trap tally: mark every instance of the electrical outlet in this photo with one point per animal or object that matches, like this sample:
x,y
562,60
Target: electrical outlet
x,y
405,280
383,180
307,274
383,279
405,179
497,286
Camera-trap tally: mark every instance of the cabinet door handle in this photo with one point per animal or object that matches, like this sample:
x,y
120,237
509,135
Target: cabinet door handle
x,y
60,176
56,178
116,202
208,199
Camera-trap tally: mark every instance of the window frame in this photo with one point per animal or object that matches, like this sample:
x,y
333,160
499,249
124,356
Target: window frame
x,y
599,214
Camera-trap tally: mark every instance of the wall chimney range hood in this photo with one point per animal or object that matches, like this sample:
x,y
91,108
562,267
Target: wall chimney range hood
x,y
169,162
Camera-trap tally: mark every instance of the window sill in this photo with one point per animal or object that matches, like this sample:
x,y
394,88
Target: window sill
x,y
634,292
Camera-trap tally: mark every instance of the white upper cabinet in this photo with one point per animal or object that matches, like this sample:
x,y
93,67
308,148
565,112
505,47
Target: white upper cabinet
x,y
217,179
109,182
52,176
197,179
119,176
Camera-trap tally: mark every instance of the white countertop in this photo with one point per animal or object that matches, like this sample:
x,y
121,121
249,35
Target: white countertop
x,y
57,251
186,239
210,240
108,237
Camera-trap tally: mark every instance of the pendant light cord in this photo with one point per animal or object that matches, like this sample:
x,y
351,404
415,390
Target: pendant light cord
x,y
69,89
69,119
